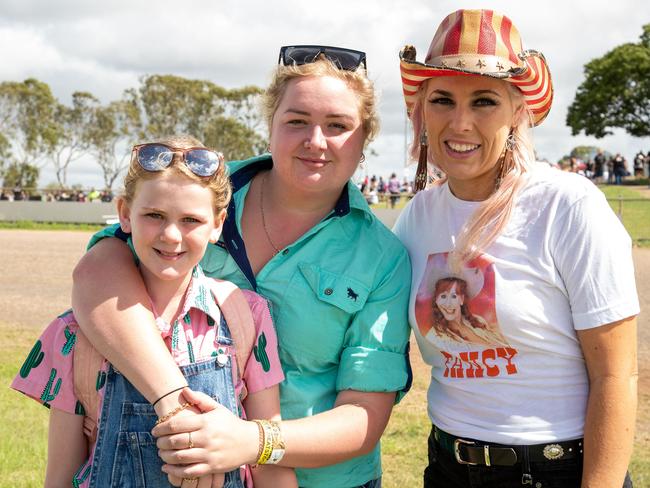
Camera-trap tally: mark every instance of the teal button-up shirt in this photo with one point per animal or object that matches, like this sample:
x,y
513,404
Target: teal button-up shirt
x,y
339,298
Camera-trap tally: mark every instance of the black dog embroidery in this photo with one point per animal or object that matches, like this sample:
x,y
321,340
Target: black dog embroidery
x,y
352,295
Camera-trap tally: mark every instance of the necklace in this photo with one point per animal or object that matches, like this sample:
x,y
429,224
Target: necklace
x,y
266,230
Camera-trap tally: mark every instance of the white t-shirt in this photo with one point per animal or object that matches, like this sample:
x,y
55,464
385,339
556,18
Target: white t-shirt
x,y
500,334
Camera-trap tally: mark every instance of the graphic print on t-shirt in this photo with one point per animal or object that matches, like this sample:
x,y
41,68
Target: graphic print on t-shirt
x,y
455,312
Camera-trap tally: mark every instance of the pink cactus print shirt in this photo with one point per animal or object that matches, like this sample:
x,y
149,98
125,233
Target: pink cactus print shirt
x,y
47,373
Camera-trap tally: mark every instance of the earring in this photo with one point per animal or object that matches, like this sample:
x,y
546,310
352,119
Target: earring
x,y
421,173
506,160
362,160
268,149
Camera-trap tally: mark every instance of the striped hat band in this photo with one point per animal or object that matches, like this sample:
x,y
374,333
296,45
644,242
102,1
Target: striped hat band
x,y
480,42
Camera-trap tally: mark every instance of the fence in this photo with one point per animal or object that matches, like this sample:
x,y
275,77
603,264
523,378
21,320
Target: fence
x,y
70,212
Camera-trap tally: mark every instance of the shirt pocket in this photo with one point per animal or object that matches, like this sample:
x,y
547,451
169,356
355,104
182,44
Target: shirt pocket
x,y
335,289
314,317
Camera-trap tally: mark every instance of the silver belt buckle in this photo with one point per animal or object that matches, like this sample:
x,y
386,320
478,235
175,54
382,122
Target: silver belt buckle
x,y
457,443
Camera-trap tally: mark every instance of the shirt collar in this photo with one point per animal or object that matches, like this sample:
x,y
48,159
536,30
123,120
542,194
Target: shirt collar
x,y
198,296
241,173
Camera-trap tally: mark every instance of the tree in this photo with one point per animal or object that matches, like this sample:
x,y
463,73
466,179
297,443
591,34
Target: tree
x,y
233,139
615,92
242,104
22,175
5,153
584,153
116,128
74,126
227,120
28,122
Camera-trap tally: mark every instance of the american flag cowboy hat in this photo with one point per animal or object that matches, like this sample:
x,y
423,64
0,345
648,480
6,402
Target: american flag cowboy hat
x,y
480,42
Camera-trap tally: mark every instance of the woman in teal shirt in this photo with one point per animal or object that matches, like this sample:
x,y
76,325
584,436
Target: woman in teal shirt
x,y
299,233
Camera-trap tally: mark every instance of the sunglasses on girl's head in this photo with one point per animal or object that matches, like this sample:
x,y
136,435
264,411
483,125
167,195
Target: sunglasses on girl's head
x,y
157,156
346,59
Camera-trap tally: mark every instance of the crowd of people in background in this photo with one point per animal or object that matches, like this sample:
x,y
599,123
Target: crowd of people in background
x,y
603,168
609,169
94,196
378,189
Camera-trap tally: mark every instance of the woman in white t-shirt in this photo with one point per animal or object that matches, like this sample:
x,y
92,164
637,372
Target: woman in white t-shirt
x,y
523,294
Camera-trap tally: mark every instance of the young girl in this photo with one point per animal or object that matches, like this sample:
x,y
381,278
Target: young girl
x,y
173,205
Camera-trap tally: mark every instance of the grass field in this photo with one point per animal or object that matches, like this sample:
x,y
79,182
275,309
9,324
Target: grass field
x,y
635,214
29,225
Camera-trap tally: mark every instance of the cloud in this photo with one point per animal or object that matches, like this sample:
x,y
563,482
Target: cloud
x,y
104,47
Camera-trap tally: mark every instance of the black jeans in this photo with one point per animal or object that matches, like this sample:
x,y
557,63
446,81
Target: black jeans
x,y
444,472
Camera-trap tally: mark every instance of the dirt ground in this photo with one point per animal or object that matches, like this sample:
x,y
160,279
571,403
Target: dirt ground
x,y
35,281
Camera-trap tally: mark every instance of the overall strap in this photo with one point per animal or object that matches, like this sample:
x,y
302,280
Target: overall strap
x,y
86,364
238,315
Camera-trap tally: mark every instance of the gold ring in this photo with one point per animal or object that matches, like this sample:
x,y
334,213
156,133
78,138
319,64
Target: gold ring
x,y
191,479
190,446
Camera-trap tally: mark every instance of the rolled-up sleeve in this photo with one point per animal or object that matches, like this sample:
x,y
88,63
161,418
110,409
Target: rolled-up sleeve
x,y
375,355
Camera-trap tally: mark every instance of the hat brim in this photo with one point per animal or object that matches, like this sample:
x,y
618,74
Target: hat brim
x,y
532,78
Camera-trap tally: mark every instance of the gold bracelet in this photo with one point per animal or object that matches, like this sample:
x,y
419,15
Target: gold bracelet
x,y
261,440
169,415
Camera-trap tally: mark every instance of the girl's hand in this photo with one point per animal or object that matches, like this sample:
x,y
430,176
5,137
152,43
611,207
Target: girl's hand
x,y
221,441
209,481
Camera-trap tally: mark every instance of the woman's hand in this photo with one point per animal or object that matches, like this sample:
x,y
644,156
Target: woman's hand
x,y
221,441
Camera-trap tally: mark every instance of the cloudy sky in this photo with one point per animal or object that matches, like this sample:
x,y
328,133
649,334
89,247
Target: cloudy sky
x,y
104,47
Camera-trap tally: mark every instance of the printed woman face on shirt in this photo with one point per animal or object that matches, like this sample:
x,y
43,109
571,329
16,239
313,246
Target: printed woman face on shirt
x,y
449,300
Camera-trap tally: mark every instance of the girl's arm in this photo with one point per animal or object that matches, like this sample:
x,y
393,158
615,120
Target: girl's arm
x,y
110,303
352,428
610,356
265,404
67,448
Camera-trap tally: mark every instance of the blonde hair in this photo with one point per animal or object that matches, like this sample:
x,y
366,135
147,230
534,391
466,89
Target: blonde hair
x,y
490,218
218,182
356,80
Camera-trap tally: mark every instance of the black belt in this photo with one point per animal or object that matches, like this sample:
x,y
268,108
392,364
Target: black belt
x,y
479,453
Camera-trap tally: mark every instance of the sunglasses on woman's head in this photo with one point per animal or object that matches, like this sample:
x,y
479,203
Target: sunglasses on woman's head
x,y
346,59
157,156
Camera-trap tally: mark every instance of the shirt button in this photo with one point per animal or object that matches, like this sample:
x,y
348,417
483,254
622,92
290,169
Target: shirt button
x,y
328,291
285,252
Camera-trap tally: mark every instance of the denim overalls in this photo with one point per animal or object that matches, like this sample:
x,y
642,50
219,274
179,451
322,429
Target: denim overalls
x,y
126,455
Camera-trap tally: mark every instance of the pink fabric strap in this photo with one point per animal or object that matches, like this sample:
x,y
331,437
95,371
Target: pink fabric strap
x,y
236,310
